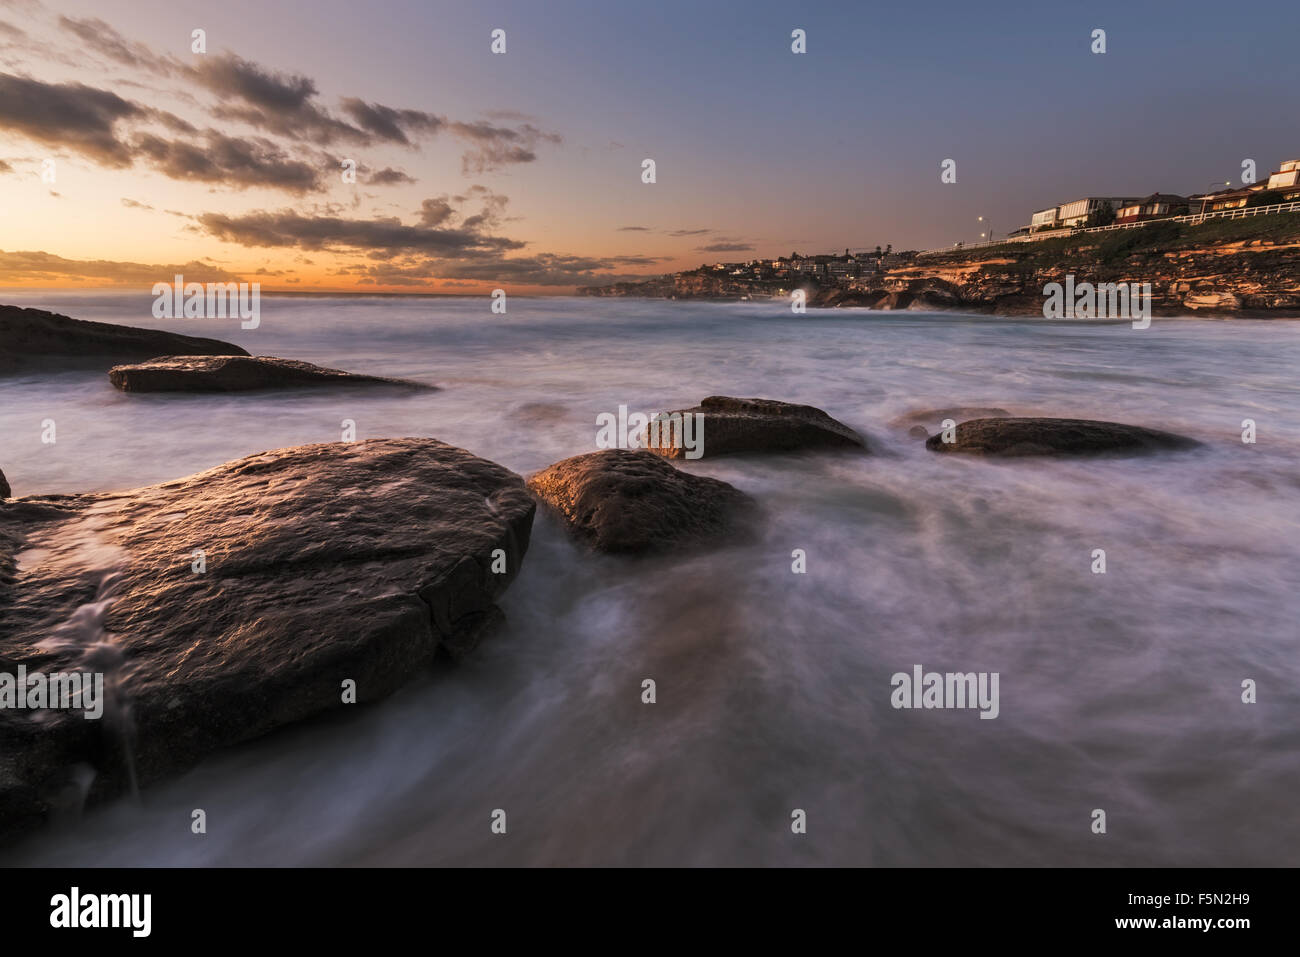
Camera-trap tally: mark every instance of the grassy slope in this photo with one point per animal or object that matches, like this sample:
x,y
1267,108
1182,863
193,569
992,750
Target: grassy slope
x,y
1111,248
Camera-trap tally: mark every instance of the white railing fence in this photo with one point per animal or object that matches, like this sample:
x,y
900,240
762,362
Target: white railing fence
x,y
1194,218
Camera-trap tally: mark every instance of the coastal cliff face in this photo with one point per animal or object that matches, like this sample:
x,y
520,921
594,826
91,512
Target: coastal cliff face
x,y
1246,268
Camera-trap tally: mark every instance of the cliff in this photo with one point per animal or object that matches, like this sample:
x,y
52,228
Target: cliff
x,y
1223,268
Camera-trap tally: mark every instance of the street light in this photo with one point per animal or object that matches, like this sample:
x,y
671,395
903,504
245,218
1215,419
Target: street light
x,y
990,230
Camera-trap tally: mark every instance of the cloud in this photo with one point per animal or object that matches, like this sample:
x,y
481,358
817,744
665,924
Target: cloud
x,y
390,124
70,115
134,204
491,212
444,210
436,211
238,163
498,146
278,103
100,36
634,229
287,105
32,266
5,167
689,232
289,228
388,177
543,269
731,247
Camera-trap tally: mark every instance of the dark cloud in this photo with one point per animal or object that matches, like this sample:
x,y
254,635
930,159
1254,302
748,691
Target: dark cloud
x,y
543,269
32,266
69,115
492,207
279,103
238,163
634,229
436,211
390,124
444,210
689,232
388,177
289,228
99,36
724,248
288,105
497,146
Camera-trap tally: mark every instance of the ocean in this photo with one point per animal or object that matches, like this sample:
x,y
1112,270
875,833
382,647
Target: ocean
x,y
1119,692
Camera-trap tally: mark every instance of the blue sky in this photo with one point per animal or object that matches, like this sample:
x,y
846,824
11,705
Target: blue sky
x,y
756,148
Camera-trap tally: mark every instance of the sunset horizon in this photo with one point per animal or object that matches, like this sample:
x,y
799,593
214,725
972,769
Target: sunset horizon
x,y
127,157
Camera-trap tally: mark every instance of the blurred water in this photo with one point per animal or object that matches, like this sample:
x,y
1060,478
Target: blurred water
x,y
1118,691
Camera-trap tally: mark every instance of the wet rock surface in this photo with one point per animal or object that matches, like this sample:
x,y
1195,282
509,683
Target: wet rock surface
x,y
634,501
33,339
237,374
1042,436
734,425
320,564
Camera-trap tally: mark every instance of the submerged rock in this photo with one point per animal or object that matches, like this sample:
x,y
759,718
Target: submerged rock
x,y
633,501
234,601
1038,436
755,425
40,340
236,374
924,422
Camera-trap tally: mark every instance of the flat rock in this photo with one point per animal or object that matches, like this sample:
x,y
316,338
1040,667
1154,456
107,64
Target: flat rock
x,y
33,339
324,563
1038,436
237,374
620,500
756,425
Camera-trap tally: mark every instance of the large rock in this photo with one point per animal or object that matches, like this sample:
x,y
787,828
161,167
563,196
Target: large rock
x,y
237,374
5,491
755,425
633,501
39,340
323,564
1035,436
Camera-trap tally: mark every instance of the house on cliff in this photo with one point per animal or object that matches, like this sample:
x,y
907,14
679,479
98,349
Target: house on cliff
x,y
1155,206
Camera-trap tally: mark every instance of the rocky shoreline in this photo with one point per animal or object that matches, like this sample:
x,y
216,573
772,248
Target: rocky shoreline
x,y
1224,269
273,589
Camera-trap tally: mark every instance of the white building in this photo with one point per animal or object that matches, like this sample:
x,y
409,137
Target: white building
x,y
1077,212
1288,175
1045,218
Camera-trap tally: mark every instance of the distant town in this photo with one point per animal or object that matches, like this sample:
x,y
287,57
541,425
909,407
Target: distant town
x,y
1091,212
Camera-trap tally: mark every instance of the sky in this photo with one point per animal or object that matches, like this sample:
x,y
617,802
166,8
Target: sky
x,y
126,157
